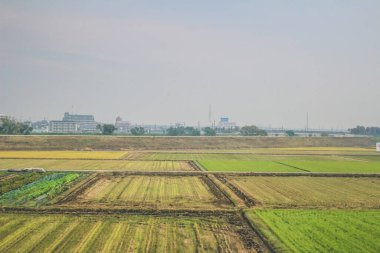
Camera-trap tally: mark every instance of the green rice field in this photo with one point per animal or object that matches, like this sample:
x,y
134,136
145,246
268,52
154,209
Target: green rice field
x,y
323,164
319,230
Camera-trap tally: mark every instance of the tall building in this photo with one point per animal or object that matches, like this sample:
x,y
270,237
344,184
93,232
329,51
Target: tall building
x,y
86,123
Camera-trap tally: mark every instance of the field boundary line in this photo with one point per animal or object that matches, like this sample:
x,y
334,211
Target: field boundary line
x,y
215,189
113,211
78,189
196,165
249,201
257,231
291,166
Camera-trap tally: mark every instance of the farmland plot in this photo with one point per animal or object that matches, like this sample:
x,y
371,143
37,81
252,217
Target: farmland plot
x,y
335,164
63,154
246,153
38,192
66,233
186,156
290,163
319,230
246,165
167,192
117,165
311,191
11,181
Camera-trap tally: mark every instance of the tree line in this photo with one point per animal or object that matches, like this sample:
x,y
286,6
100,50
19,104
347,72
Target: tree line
x,y
362,130
11,126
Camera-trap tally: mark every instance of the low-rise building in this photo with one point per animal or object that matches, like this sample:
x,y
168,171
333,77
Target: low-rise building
x,y
122,126
58,126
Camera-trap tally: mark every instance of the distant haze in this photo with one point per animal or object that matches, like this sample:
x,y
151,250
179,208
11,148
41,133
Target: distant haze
x,y
258,62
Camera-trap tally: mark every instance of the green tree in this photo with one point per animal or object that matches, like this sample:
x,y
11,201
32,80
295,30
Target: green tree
x,y
290,133
106,129
138,131
182,131
209,131
11,126
252,131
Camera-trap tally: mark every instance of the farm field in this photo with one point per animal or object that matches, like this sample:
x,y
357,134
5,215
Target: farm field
x,y
118,143
113,165
349,165
320,192
319,230
63,154
248,153
11,181
143,200
38,192
281,163
67,233
168,192
246,165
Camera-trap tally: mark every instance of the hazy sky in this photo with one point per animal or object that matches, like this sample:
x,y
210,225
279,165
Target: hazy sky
x,y
258,62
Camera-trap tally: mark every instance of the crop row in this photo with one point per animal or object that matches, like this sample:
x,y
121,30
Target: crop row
x,y
11,181
64,233
63,154
319,230
310,191
149,191
123,165
38,192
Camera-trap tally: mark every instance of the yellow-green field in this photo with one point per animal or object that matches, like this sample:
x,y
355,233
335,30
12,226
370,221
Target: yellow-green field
x,y
66,233
311,192
64,154
108,165
176,192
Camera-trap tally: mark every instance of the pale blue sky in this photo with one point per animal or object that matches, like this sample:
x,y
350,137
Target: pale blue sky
x,y
259,62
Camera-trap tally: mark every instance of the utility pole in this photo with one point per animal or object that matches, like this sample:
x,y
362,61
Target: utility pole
x,y
209,115
307,123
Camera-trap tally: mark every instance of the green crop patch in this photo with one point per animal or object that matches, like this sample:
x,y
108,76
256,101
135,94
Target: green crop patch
x,y
246,165
313,192
39,191
11,181
319,230
291,163
340,165
66,233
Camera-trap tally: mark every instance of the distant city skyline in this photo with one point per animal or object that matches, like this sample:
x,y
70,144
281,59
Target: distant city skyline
x,y
266,63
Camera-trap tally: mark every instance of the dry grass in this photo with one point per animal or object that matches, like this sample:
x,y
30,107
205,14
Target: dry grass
x,y
66,233
172,143
311,191
165,192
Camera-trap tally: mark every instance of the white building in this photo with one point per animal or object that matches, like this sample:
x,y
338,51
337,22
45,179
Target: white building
x,y
86,123
122,126
225,123
57,126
